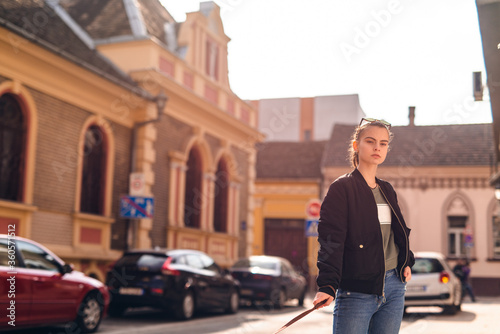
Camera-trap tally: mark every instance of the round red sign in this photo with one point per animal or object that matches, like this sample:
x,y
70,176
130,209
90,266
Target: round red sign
x,y
313,207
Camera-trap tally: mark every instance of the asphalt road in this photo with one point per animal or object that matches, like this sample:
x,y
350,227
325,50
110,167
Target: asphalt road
x,y
482,317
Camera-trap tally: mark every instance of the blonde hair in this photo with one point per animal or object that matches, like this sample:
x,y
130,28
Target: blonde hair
x,y
353,155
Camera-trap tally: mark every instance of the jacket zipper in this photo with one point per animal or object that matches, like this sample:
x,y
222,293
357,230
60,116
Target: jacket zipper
x,y
383,262
406,237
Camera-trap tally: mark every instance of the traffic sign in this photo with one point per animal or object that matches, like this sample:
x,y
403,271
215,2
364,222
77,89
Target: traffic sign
x,y
137,185
313,208
468,230
312,228
136,207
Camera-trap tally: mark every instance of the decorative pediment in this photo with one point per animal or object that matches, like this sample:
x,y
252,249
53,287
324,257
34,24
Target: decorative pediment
x,y
213,22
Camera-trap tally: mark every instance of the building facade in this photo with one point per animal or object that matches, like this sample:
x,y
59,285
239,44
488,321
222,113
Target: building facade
x,y
489,24
440,173
305,119
81,91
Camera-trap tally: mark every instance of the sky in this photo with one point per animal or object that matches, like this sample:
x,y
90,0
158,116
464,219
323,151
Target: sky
x,y
392,53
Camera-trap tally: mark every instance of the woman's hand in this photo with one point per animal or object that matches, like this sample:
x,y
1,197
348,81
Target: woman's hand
x,y
320,296
407,274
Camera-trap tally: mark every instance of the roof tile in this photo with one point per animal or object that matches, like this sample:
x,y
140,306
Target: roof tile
x,y
45,28
436,145
283,160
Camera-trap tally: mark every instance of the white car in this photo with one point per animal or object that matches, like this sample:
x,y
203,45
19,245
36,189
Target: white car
x,y
433,283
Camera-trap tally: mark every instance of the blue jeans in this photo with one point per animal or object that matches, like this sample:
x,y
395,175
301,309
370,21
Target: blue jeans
x,y
360,313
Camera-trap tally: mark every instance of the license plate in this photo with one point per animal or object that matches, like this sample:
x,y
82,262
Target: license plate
x,y
416,288
246,292
131,291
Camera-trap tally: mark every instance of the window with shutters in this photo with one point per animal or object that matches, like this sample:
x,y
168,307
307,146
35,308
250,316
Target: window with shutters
x,y
12,148
221,193
93,171
192,199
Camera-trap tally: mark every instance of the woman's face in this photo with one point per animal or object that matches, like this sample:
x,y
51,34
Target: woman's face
x,y
372,145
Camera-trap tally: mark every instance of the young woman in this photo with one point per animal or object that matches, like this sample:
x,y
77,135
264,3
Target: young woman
x,y
364,258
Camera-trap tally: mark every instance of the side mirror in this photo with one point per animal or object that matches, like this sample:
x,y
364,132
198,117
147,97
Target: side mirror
x,y
67,268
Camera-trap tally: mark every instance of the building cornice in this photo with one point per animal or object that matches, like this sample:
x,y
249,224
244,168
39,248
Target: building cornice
x,y
214,119
47,72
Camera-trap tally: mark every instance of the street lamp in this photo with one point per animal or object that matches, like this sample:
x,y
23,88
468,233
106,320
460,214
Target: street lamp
x,y
161,101
497,191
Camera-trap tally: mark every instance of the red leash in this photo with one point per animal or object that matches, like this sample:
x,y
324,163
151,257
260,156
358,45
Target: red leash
x,y
300,316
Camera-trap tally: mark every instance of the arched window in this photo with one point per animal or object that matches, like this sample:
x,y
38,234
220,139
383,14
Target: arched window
x,y
93,171
12,148
221,193
495,231
458,219
192,199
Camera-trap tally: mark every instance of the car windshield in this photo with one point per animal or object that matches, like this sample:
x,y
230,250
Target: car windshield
x,y
151,261
427,266
261,263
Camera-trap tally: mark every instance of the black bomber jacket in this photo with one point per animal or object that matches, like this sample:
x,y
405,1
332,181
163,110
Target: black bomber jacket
x,y
351,254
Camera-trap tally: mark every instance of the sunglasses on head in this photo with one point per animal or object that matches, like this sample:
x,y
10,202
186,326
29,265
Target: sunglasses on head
x,y
374,120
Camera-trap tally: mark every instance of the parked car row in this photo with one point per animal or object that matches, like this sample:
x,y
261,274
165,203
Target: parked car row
x,y
41,289
46,291
186,281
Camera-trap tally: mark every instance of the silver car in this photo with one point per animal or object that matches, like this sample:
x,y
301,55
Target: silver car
x,y
433,283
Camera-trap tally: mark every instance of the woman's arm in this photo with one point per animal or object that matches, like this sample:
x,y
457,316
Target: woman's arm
x,y
332,231
322,296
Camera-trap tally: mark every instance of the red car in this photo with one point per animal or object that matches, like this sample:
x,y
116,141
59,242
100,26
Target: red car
x,y
38,289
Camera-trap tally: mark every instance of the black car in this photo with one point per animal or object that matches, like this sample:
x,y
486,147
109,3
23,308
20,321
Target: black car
x,y
180,281
269,279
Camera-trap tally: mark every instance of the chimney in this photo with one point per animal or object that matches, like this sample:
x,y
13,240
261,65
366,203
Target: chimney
x,y
411,116
478,86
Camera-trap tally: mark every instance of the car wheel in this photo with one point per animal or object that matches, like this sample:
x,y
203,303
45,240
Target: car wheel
x,y
450,309
233,302
116,310
278,298
90,313
186,308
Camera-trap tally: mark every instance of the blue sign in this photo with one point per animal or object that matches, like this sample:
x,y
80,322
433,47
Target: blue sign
x,y
312,228
136,207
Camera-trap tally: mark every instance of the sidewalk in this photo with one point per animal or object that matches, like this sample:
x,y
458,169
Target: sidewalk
x,y
481,317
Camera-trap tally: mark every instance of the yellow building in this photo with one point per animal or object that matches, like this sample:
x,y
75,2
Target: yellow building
x,y
288,179
88,83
